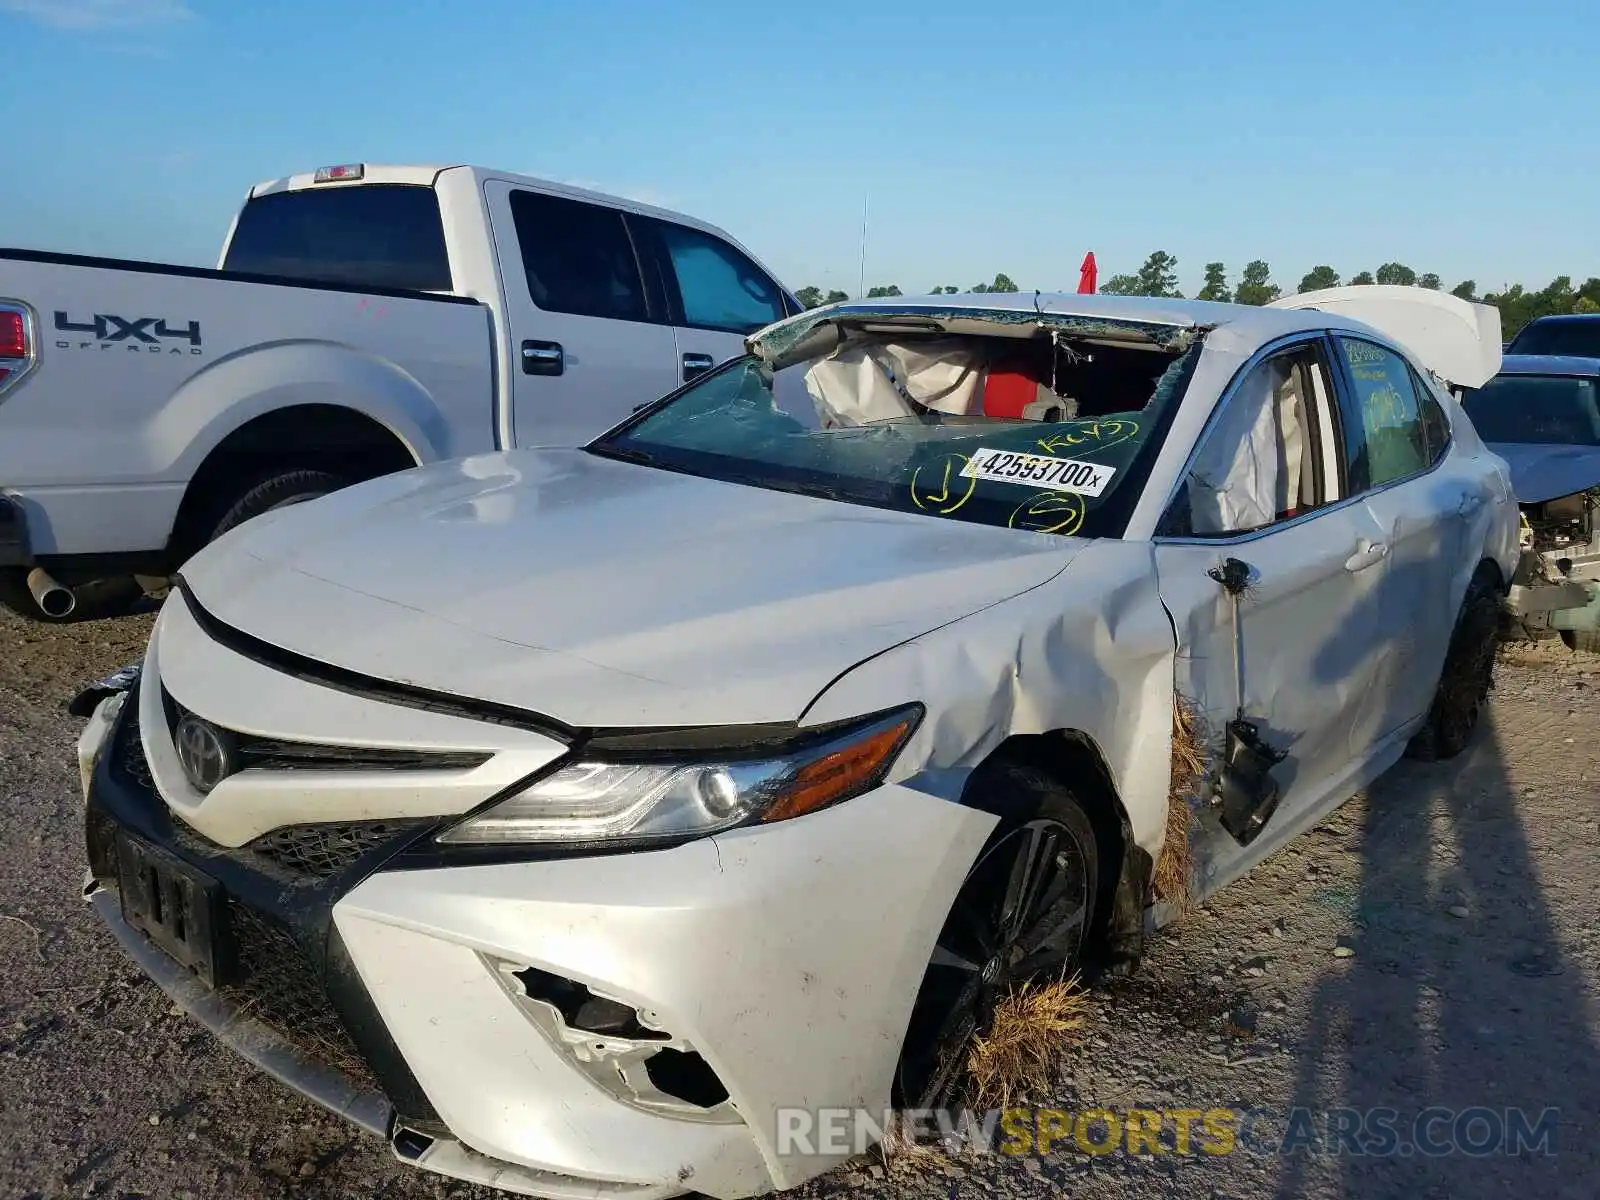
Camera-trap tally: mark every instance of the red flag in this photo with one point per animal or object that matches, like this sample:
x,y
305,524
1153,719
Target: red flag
x,y
1088,275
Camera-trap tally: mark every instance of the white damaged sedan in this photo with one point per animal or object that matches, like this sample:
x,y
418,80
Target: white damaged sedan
x,y
568,817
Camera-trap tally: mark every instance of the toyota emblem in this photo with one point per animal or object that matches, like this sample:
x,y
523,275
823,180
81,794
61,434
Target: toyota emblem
x,y
204,751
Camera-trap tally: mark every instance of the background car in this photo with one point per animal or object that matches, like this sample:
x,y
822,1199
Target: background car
x,y
1570,335
1541,414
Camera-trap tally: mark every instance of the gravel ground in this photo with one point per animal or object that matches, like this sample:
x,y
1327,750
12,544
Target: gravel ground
x,y
1435,943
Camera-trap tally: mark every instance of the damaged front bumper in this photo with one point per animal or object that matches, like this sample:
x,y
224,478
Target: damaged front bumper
x,y
623,1025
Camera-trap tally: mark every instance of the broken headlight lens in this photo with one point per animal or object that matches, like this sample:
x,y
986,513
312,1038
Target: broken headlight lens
x,y
672,797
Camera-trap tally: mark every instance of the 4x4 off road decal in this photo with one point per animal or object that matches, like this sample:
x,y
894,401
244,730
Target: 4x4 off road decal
x,y
145,335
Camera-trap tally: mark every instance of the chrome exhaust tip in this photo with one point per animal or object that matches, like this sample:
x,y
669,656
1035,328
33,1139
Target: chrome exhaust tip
x,y
53,599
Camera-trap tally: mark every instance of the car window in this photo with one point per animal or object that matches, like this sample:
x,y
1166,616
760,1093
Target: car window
x,y
1385,437
719,287
1435,425
1579,337
375,235
578,257
1540,409
1262,459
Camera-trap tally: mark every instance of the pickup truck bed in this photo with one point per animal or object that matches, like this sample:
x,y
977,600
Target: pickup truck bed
x,y
151,367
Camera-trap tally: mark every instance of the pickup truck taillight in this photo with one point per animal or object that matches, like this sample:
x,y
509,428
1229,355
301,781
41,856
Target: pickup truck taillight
x,y
16,344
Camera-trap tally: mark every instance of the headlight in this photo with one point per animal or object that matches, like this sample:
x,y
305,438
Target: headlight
x,y
669,797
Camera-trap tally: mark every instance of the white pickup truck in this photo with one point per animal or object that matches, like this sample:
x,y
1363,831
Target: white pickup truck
x,y
363,319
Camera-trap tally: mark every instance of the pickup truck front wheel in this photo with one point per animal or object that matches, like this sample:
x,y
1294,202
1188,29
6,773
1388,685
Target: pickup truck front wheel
x,y
279,489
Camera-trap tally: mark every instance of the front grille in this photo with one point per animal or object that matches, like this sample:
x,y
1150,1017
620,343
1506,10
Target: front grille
x,y
282,754
304,852
278,891
279,987
322,851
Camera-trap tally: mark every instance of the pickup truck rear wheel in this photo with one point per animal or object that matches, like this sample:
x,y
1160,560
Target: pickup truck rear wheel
x,y
279,489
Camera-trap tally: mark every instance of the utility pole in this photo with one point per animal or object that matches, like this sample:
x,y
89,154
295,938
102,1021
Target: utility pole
x,y
861,288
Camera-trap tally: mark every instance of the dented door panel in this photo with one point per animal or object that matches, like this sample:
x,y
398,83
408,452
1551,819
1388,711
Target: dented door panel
x,y
1310,647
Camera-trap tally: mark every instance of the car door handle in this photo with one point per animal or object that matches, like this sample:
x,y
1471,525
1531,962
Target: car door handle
x,y
696,364
1470,503
543,358
1370,554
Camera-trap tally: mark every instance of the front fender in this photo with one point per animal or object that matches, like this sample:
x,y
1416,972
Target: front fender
x,y
1092,650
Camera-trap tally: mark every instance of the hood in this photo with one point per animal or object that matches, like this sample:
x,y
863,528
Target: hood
x,y
603,593
1548,472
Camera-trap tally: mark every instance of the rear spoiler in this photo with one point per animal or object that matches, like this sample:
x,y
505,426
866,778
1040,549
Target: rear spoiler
x,y
1457,340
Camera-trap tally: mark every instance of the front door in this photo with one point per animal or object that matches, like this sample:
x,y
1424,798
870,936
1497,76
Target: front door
x,y
717,294
590,342
1298,649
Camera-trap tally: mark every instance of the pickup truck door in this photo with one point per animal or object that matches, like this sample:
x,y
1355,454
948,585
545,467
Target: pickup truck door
x,y
589,340
715,293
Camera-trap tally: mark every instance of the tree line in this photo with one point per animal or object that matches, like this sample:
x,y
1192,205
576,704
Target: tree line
x,y
811,297
1159,277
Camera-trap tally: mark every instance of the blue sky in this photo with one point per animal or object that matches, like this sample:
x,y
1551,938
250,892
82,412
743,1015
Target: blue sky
x,y
1458,136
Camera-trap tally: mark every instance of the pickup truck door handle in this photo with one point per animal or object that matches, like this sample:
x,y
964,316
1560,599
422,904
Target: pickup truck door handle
x,y
696,364
1369,554
543,358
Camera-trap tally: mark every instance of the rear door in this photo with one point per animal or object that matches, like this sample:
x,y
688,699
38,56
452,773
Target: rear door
x,y
589,328
715,292
1425,502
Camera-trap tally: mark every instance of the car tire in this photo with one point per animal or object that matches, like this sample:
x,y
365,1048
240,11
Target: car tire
x,y
279,489
98,599
1467,677
1042,820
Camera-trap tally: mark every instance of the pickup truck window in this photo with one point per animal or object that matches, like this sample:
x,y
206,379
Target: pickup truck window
x,y
719,287
578,257
375,235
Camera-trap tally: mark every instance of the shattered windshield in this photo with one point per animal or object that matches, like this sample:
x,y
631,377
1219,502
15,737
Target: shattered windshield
x,y
1042,433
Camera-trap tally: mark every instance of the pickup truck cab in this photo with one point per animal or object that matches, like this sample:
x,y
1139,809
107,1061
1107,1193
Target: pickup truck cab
x,y
362,319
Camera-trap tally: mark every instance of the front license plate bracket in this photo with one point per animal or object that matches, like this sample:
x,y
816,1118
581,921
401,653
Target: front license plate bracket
x,y
178,907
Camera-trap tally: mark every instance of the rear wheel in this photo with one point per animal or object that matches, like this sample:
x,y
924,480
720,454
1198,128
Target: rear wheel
x,y
276,489
1467,676
1023,913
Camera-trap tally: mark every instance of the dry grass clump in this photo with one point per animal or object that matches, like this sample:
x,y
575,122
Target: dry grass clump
x,y
900,1146
1173,871
1014,1058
